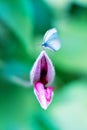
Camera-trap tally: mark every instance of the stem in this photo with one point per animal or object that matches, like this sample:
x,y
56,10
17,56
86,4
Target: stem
x,y
19,81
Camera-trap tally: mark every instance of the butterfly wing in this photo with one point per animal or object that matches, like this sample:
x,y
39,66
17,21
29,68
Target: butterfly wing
x,y
49,33
51,40
54,45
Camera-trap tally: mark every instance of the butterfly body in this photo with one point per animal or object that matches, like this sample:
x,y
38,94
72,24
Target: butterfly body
x,y
51,40
46,46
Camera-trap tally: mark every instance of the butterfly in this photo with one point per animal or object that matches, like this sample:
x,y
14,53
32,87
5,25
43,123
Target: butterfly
x,y
51,40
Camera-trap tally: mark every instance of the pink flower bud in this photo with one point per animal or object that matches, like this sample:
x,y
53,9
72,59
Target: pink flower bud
x,y
42,74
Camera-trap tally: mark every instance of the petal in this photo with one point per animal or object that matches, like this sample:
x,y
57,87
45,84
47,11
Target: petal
x,y
44,95
36,70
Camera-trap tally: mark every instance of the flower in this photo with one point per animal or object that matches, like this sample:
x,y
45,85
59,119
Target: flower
x,y
42,74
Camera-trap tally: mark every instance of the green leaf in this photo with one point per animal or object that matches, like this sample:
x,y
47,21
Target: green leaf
x,y
81,2
43,17
17,15
16,72
70,108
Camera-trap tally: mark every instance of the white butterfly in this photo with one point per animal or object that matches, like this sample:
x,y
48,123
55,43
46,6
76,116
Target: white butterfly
x,y
51,40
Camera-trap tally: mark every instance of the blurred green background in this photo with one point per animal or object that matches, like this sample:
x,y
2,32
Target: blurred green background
x,y
22,27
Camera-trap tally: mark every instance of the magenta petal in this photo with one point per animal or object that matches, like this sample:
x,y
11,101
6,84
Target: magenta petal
x,y
44,95
49,93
